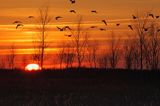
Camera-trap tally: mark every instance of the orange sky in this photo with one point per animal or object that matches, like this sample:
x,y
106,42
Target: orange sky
x,y
13,9
112,11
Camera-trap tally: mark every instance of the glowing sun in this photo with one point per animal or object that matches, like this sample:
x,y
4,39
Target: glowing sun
x,y
32,67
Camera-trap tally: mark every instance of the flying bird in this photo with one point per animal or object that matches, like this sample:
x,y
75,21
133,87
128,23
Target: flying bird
x,y
67,27
102,29
93,26
18,25
72,11
134,17
157,17
68,35
104,21
130,26
30,16
58,17
73,1
17,22
151,15
94,11
117,24
60,29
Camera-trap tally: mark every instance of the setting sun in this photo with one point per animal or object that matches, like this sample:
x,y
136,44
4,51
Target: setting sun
x,y
32,67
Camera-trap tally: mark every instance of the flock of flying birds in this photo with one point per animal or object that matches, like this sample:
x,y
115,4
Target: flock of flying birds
x,y
20,24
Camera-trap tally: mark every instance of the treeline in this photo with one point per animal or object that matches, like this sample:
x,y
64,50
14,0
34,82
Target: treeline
x,y
140,51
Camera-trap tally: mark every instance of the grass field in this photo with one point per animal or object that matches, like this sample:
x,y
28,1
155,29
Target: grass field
x,y
87,87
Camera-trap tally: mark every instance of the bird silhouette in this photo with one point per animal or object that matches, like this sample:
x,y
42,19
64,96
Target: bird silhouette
x,y
102,29
68,35
67,27
30,16
134,17
72,11
157,17
73,1
104,21
94,11
117,24
58,17
151,15
93,26
17,22
18,25
60,29
130,26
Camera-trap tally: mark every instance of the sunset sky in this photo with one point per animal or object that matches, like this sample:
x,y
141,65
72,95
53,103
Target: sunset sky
x,y
11,10
114,11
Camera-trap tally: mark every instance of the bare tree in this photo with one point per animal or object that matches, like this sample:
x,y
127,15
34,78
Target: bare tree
x,y
79,40
42,24
152,46
113,53
103,61
66,55
136,55
92,53
37,52
69,55
140,23
11,57
128,53
147,36
60,55
44,20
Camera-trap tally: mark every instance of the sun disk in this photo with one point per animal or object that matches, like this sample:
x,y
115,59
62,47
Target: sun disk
x,y
32,67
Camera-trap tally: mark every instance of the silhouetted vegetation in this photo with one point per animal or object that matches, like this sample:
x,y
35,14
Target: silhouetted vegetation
x,y
79,87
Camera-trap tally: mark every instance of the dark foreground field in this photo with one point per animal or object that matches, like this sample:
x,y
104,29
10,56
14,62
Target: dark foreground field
x,y
79,88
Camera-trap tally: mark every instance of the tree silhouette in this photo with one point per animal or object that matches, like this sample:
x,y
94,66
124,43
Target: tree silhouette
x,y
92,50
42,24
146,32
152,47
114,52
66,55
79,41
11,57
128,48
